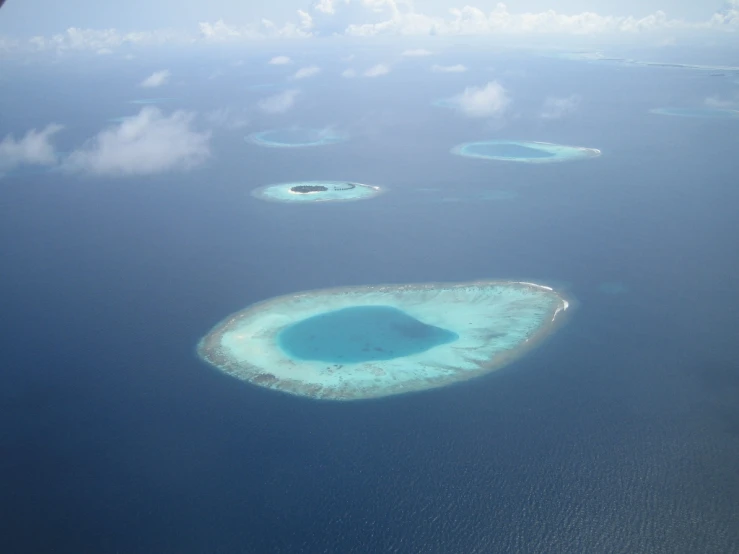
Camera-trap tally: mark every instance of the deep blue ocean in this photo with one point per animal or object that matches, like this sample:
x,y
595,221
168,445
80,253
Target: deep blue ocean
x,y
619,434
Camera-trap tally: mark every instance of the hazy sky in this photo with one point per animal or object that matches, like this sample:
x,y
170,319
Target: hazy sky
x,y
25,18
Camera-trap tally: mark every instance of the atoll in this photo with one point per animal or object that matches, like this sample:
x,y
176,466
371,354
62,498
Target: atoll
x,y
712,113
524,151
296,137
367,342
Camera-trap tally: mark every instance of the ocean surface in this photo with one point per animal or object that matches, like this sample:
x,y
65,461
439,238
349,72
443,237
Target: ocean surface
x,y
619,434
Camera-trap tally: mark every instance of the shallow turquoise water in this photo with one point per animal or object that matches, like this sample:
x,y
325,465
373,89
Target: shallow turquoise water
x,y
506,150
361,334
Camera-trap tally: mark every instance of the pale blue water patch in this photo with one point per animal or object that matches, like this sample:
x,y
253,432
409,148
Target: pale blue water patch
x,y
448,103
361,334
523,151
712,113
265,86
497,195
440,196
26,171
612,288
296,137
149,101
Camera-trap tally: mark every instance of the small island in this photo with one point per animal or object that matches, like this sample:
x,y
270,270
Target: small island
x,y
367,342
316,191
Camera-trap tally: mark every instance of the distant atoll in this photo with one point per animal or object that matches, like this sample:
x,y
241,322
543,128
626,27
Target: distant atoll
x,y
302,192
296,137
367,342
524,151
711,113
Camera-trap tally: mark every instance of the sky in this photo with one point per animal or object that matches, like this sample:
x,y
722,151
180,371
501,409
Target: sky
x,y
289,18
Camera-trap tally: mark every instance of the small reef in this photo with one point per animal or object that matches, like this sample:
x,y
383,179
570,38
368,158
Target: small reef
x,y
303,192
524,151
296,137
367,342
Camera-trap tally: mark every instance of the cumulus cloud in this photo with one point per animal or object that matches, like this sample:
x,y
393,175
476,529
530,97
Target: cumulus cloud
x,y
75,39
377,70
349,73
727,17
416,53
220,31
305,72
459,68
402,19
156,79
147,143
279,103
366,18
280,60
227,118
34,148
556,108
488,101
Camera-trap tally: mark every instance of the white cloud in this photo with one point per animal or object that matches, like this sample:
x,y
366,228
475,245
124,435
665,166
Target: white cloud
x,y
488,101
280,60
417,53
279,103
367,18
556,108
227,118
156,79
326,6
305,72
349,73
459,68
220,31
147,143
96,39
377,70
728,16
402,19
306,21
34,148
